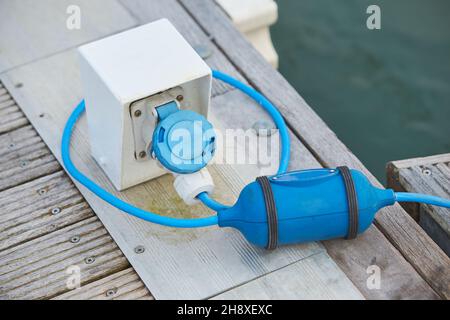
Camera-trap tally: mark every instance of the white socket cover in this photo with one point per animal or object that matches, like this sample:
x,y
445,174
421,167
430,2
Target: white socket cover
x,y
136,68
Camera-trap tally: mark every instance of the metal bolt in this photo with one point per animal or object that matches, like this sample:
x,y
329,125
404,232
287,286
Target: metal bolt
x,y
142,154
23,164
426,172
139,249
180,97
75,239
89,260
56,210
203,51
111,292
137,113
263,128
42,192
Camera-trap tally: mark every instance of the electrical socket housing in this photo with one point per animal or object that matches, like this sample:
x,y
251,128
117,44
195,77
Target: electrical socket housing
x,y
125,77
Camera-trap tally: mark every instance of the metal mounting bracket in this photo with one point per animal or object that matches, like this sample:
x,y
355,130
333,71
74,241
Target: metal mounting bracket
x,y
144,118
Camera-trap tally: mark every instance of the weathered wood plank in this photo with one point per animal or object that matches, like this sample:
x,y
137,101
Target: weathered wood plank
x,y
39,207
413,243
222,254
23,157
428,175
322,280
38,268
122,285
235,111
399,279
32,30
357,273
10,116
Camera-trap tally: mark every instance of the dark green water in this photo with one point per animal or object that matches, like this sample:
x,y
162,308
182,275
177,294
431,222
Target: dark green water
x,y
386,93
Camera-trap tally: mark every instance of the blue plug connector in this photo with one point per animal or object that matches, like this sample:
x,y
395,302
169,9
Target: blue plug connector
x,y
310,205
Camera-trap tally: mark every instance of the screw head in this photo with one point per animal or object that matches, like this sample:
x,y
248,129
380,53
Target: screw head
x,y
11,145
19,85
42,192
137,113
56,210
180,97
139,249
142,154
111,292
426,172
89,260
23,164
75,239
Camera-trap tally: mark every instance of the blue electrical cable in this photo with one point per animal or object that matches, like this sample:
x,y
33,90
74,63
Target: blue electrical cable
x,y
210,202
279,123
108,197
204,197
422,198
153,217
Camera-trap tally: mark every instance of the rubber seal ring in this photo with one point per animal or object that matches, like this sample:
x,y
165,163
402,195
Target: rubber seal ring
x,y
352,201
271,211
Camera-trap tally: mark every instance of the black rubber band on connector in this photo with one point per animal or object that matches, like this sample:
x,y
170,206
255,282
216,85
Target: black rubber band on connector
x,y
271,210
352,200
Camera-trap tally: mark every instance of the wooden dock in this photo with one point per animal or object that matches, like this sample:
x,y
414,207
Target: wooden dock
x,y
425,175
49,224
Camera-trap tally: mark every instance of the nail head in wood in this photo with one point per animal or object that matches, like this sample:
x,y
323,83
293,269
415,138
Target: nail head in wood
x,y
75,239
139,249
89,260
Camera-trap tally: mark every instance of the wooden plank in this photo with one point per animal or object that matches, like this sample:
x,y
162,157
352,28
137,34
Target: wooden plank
x,y
413,243
399,279
222,254
39,207
23,157
122,285
27,212
429,175
357,271
32,30
421,161
38,268
322,280
10,116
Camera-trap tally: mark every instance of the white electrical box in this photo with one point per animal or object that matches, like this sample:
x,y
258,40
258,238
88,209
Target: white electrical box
x,y
125,77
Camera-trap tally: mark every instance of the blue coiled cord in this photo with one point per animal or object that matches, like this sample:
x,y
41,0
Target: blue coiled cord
x,y
153,217
204,197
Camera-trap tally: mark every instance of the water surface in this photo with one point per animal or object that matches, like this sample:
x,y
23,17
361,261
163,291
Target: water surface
x,y
386,93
